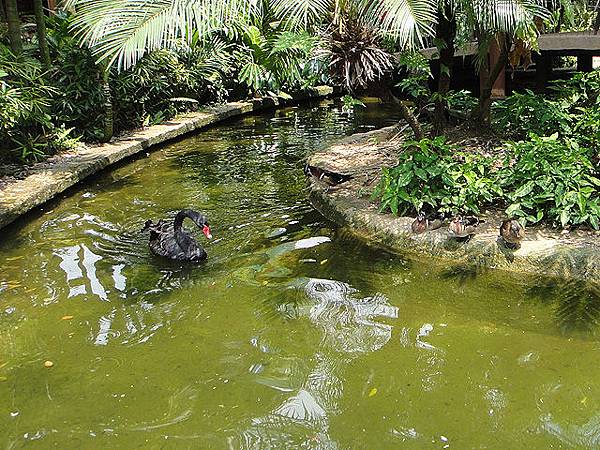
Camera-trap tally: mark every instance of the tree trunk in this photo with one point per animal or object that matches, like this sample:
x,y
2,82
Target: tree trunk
x,y
445,34
108,106
2,12
485,96
40,20
410,118
14,26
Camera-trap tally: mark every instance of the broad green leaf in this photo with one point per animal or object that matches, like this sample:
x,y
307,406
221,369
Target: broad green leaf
x,y
524,190
513,209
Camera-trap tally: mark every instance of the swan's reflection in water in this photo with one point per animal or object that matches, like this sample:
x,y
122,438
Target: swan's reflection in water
x,y
349,328
76,260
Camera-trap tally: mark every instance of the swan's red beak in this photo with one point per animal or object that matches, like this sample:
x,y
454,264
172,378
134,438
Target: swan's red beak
x,y
206,231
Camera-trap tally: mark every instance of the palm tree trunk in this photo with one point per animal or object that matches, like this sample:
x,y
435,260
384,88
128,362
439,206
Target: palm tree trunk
x,y
410,118
14,26
108,105
445,34
40,20
485,96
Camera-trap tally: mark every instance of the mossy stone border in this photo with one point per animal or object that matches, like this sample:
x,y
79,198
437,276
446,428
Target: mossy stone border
x,y
544,252
42,185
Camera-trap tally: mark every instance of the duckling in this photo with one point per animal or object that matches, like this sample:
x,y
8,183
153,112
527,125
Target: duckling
x,y
429,222
463,227
512,233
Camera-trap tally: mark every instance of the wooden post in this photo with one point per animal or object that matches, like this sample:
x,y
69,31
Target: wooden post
x,y
543,69
584,62
499,86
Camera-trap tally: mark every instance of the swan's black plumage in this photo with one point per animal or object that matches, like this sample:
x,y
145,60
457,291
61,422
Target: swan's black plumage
x,y
172,241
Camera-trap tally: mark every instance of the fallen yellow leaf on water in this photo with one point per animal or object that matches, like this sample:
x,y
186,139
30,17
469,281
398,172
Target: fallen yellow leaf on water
x,y
264,283
3,364
3,378
583,400
66,317
373,392
48,364
324,261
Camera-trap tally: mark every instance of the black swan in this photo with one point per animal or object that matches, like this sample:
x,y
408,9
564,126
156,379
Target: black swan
x,y
172,241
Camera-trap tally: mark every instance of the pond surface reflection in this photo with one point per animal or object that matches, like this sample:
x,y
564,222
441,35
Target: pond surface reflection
x,y
292,334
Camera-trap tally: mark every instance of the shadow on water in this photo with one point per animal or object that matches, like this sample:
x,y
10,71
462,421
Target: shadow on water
x,y
463,273
575,302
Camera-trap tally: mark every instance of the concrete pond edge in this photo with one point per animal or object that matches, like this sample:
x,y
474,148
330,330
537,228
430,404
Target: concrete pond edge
x,y
22,196
545,252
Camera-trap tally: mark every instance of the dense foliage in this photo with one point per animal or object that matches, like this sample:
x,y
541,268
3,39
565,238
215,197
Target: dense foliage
x,y
550,173
26,126
431,174
38,106
546,177
572,111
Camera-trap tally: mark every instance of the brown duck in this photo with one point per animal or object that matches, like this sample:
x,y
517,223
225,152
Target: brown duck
x,y
512,233
429,222
463,227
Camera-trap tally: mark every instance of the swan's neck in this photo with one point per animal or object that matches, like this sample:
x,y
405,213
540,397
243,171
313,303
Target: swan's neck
x,y
179,218
180,237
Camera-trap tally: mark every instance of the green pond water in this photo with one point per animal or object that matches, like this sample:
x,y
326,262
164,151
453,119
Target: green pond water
x,y
292,335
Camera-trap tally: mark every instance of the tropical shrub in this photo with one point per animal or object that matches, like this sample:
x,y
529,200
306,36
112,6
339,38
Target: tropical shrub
x,y
210,62
146,93
542,178
272,60
587,128
356,55
25,99
433,174
462,101
76,77
582,89
582,94
415,68
523,113
548,178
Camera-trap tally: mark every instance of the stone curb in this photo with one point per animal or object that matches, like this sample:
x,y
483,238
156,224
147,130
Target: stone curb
x,y
24,195
544,252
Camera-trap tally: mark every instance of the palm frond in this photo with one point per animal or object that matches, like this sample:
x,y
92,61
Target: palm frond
x,y
508,15
122,31
301,14
407,22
